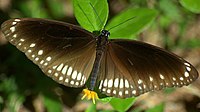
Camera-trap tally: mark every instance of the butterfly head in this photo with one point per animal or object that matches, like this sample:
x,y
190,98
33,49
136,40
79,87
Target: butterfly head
x,y
105,33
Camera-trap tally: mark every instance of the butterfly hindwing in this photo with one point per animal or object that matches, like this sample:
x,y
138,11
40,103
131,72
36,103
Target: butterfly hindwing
x,y
59,49
135,68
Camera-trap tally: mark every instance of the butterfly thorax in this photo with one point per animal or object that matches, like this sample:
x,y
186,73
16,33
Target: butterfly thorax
x,y
101,42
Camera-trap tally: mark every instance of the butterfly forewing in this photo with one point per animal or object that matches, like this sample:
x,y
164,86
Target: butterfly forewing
x,y
59,49
131,68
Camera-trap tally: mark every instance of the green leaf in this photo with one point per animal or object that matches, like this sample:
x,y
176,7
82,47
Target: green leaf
x,y
105,100
91,108
52,104
157,108
141,18
92,18
122,105
15,100
106,111
191,5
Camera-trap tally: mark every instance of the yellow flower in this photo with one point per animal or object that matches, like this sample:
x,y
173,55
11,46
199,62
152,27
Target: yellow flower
x,y
90,95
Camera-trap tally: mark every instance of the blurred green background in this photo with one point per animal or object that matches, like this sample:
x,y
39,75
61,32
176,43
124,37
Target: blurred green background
x,y
24,88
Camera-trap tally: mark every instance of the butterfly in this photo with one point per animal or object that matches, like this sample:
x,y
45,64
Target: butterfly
x,y
120,68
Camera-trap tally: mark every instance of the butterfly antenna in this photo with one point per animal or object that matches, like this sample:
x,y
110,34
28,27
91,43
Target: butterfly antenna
x,y
121,23
95,11
86,15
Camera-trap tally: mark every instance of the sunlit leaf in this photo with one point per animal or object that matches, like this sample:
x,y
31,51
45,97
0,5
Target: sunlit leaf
x,y
134,21
122,105
191,5
91,14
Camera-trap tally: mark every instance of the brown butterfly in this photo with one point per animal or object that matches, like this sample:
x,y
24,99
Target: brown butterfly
x,y
120,68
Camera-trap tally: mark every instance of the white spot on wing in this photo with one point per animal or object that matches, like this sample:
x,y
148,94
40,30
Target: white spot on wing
x,y
181,78
33,56
108,90
45,64
60,67
186,74
162,77
74,74
100,85
134,92
64,70
140,81
8,34
126,83
60,78
150,78
40,52
14,23
56,74
188,69
69,71
126,92
120,92
72,82
187,64
42,61
17,20
105,83
114,92
15,35
140,87
22,40
19,44
84,80
79,76
32,45
48,58
121,83
12,29
49,71
116,83
29,51
36,59
66,80
167,83
54,67
177,83
144,86
131,86
110,83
